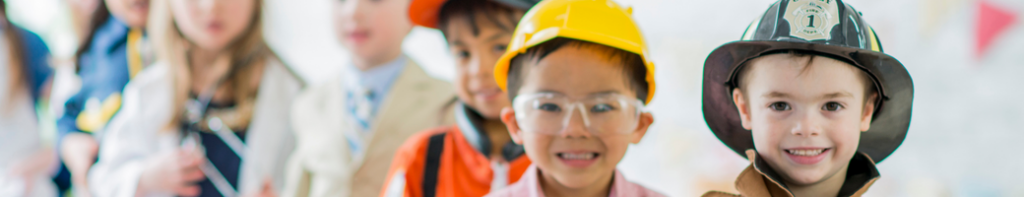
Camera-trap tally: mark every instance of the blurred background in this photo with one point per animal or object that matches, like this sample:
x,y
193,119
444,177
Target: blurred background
x,y
966,58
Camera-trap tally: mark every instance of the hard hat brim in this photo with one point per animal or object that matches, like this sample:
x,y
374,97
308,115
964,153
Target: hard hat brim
x,y
892,115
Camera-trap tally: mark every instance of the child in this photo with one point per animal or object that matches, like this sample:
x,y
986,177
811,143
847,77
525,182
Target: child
x,y
811,100
113,52
349,128
481,157
568,56
210,118
26,161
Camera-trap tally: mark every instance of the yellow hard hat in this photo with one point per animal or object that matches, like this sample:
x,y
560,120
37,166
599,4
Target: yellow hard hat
x,y
598,21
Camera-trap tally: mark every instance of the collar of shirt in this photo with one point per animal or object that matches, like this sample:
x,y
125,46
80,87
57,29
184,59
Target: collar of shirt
x,y
111,35
470,123
103,67
529,185
377,79
860,175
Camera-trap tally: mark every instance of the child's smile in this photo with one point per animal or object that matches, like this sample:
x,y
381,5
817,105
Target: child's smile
x,y
577,158
357,36
805,115
807,155
562,106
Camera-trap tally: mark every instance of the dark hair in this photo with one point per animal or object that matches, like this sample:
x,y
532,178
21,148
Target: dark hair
x,y
869,84
99,17
500,15
16,63
633,68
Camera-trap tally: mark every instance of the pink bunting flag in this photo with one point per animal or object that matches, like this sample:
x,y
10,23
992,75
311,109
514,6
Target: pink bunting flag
x,y
991,22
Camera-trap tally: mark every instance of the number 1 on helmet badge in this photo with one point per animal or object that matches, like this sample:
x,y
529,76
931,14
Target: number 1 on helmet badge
x,y
812,19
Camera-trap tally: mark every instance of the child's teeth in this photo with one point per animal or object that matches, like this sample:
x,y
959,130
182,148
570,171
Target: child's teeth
x,y
578,156
806,152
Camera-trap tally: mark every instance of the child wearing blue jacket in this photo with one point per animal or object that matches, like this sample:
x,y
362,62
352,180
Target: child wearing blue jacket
x,y
114,50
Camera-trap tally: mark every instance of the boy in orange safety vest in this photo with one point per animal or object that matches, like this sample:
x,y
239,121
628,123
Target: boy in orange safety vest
x,y
475,156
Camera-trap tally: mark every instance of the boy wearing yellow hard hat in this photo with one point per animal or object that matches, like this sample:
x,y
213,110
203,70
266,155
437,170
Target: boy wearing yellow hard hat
x,y
569,56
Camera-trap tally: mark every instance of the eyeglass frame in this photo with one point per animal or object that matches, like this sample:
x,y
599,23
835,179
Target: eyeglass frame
x,y
520,100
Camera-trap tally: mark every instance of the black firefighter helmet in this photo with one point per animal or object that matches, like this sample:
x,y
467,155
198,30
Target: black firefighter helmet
x,y
827,28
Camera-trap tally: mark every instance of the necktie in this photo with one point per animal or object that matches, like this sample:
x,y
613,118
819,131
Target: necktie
x,y
134,56
360,106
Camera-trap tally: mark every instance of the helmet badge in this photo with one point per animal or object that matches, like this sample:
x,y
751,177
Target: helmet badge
x,y
812,19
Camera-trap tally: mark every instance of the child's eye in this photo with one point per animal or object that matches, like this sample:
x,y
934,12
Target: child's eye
x,y
463,54
779,106
550,107
500,48
601,108
832,106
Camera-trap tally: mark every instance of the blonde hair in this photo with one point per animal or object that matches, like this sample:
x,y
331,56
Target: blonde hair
x,y
247,53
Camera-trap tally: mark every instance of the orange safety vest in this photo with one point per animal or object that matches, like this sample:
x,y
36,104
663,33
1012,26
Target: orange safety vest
x,y
442,162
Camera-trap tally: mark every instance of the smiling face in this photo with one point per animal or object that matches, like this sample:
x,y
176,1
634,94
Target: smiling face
x,y
575,157
213,25
805,114
131,12
372,30
475,55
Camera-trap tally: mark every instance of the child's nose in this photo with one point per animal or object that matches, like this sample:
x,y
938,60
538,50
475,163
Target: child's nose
x,y
480,67
577,125
207,5
808,126
355,10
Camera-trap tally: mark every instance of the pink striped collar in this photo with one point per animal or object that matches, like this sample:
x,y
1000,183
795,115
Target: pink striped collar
x,y
529,186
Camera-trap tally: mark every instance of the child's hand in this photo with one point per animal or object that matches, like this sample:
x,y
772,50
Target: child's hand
x,y
176,171
79,152
265,191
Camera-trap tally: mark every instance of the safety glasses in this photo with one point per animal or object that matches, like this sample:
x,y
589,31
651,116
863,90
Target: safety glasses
x,y
602,114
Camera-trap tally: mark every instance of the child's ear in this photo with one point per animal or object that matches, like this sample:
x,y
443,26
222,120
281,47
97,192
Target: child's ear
x,y
646,119
742,106
508,116
869,111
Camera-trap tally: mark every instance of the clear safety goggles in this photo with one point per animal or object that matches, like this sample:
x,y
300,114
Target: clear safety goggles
x,y
552,113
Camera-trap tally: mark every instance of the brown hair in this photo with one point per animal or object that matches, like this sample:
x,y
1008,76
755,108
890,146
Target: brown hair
x,y
99,17
633,65
247,53
16,58
744,72
500,15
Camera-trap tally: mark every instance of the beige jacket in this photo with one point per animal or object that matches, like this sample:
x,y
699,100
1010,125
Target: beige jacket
x,y
322,164
760,180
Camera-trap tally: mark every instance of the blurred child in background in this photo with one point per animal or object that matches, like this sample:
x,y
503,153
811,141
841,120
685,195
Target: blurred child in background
x,y
349,128
112,52
569,56
210,118
26,162
482,156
